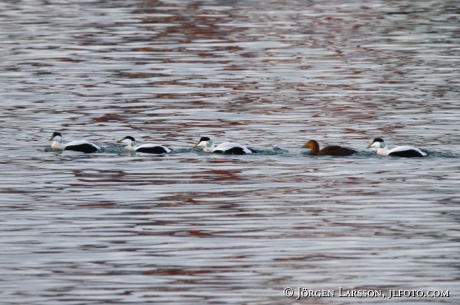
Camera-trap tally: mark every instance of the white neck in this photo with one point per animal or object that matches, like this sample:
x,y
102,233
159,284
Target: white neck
x,y
57,145
209,146
383,151
129,145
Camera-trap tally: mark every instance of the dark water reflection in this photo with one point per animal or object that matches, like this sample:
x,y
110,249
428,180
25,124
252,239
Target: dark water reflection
x,y
194,228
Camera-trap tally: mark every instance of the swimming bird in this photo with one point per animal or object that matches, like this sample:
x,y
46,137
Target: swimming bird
x,y
80,145
400,151
227,148
328,150
131,145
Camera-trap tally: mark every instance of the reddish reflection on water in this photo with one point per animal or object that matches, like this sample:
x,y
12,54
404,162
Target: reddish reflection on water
x,y
192,227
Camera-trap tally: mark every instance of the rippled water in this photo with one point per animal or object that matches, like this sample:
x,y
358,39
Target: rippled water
x,y
197,228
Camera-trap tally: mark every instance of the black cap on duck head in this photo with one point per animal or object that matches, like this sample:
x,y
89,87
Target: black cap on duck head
x,y
205,139
378,140
130,138
54,136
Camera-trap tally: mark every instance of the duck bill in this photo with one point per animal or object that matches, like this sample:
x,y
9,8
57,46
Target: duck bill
x,y
120,140
51,138
369,146
196,144
304,146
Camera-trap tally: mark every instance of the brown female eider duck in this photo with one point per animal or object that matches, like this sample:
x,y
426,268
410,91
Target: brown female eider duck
x,y
328,150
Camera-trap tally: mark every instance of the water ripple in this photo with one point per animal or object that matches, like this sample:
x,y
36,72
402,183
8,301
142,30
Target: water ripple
x,y
192,227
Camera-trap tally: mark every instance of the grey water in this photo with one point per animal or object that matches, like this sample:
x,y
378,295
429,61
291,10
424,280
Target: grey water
x,y
196,228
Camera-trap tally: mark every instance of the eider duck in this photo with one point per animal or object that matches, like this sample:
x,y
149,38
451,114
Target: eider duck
x,y
328,150
131,145
81,145
400,151
227,148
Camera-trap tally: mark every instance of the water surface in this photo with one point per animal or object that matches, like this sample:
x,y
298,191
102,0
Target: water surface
x,y
197,228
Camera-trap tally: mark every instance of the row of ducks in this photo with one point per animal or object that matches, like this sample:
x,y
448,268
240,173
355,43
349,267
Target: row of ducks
x,y
235,148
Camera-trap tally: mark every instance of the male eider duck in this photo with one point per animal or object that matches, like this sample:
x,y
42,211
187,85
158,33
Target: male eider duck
x,y
131,145
81,145
227,148
328,150
400,151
